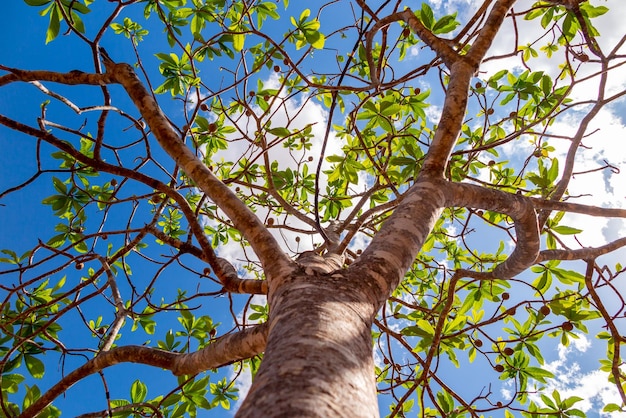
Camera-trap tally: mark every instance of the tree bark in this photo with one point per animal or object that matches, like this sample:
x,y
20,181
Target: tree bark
x,y
318,361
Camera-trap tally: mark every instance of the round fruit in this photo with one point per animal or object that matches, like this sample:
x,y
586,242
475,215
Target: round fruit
x,y
499,368
478,343
508,351
567,326
545,310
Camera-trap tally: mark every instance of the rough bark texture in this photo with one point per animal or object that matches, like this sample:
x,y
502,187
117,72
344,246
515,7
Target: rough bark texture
x,y
318,361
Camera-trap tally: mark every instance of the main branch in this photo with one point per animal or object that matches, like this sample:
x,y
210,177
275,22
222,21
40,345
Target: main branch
x,y
264,244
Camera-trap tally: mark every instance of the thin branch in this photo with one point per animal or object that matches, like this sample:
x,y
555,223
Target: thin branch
x,y
440,46
72,78
488,31
581,253
225,272
578,208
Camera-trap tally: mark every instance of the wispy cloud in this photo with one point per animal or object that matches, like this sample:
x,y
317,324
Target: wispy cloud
x,y
571,379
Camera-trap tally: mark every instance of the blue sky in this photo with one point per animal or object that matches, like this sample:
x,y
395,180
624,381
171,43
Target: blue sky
x,y
24,218
21,46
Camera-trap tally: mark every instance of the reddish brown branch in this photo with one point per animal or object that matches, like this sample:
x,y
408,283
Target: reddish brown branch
x,y
264,244
519,208
72,78
440,46
225,272
581,253
227,349
578,208
617,338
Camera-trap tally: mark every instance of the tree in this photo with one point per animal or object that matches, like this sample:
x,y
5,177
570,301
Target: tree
x,y
391,176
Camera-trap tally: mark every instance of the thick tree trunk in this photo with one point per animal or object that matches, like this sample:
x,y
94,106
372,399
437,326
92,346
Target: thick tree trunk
x,y
318,360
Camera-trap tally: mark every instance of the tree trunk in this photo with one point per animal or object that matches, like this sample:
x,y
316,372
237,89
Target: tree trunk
x,y
318,360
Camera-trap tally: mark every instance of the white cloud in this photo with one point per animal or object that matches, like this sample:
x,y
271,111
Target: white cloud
x,y
592,186
294,113
571,380
603,143
243,382
464,8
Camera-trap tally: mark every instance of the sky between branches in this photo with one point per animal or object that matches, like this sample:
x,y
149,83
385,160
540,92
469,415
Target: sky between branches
x,y
609,144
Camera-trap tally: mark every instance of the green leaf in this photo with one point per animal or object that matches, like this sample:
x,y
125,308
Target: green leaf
x,y
34,365
238,41
37,2
11,382
566,230
138,391
426,15
54,26
280,132
539,374
446,24
316,39
56,241
612,407
591,11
